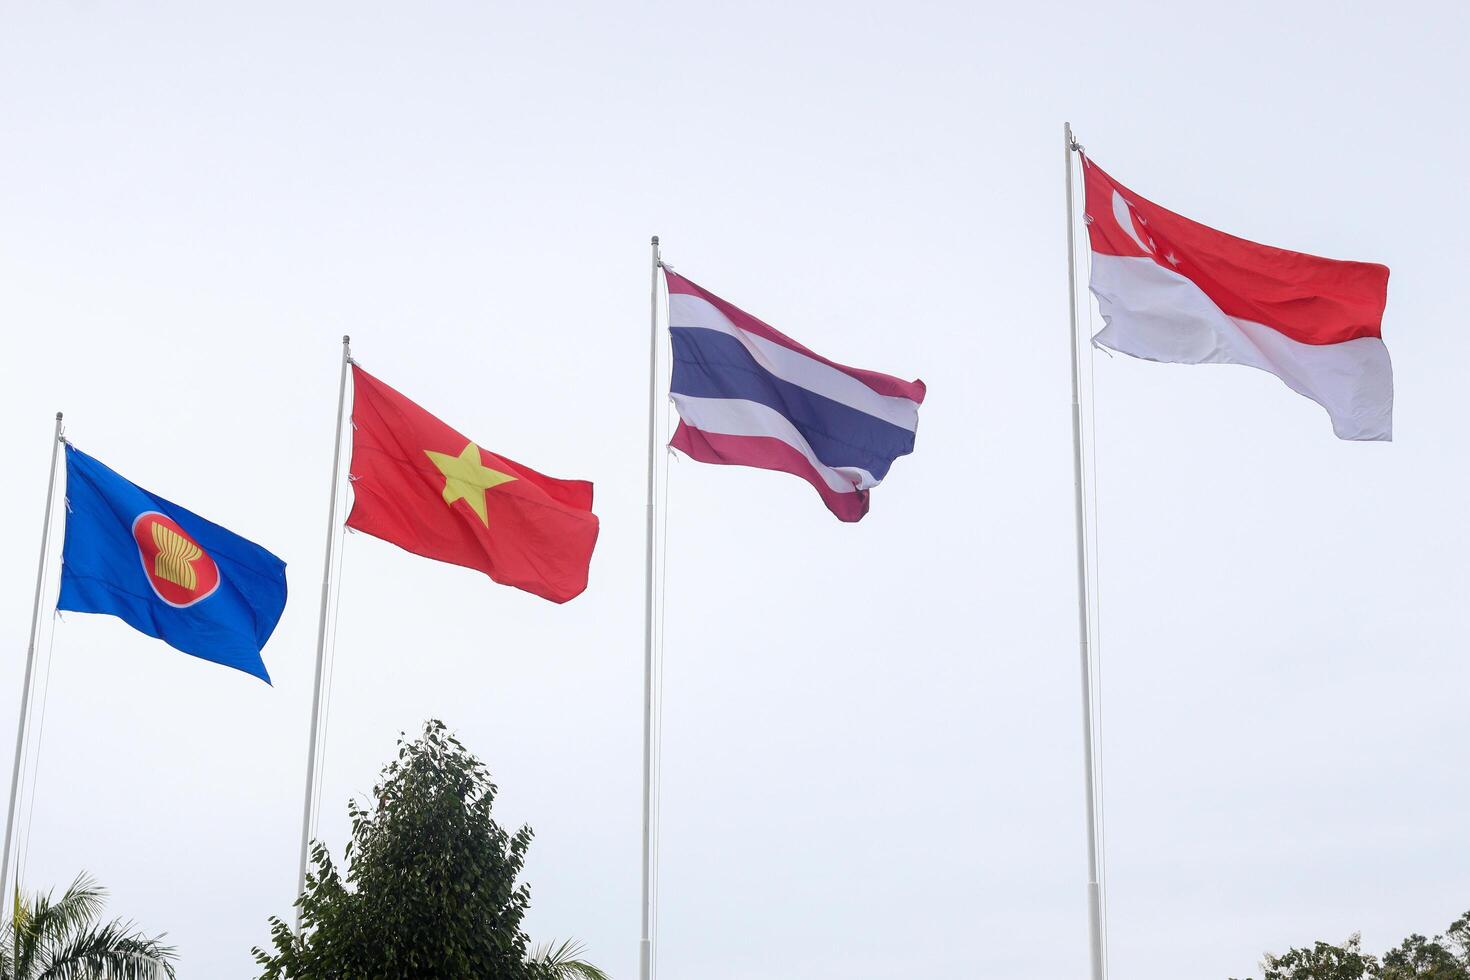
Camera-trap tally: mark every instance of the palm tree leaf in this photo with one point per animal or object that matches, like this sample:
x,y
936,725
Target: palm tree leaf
x,y
61,940
563,961
52,924
113,951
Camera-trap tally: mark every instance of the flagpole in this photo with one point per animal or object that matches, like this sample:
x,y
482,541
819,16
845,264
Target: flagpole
x,y
25,690
321,630
1094,884
645,941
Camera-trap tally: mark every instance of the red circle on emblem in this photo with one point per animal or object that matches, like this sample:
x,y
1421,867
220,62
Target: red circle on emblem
x,y
180,571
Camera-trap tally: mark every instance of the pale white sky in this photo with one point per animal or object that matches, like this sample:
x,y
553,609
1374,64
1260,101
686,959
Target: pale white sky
x,y
872,752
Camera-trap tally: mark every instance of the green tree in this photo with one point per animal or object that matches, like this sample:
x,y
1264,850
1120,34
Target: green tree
x,y
1321,961
1445,957
430,890
62,939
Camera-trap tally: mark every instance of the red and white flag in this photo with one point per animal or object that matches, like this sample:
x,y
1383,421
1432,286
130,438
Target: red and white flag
x,y
1173,290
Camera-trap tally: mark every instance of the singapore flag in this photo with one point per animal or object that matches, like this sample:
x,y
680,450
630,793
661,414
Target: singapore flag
x,y
1173,290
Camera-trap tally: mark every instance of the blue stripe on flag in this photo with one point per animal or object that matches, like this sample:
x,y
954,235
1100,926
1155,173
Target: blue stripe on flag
x,y
711,364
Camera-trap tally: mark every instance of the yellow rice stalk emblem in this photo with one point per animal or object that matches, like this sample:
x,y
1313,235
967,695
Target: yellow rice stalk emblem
x,y
176,556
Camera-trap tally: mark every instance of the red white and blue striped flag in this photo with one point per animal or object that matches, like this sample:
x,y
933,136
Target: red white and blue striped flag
x,y
748,395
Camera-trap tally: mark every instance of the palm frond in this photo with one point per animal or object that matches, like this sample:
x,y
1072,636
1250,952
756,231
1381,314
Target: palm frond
x,y
563,961
82,901
51,924
114,951
59,939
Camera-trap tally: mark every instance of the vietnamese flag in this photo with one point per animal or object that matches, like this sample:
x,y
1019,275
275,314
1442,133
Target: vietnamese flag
x,y
421,485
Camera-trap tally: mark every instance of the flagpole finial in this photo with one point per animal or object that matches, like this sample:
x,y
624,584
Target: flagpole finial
x,y
654,240
346,340
58,416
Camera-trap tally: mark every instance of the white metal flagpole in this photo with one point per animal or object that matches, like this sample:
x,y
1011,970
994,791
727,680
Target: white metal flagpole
x,y
1096,938
321,630
645,941
25,689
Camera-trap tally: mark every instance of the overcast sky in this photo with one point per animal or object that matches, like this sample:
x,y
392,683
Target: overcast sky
x,y
872,755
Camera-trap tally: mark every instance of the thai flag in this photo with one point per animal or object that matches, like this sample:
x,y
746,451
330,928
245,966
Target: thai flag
x,y
748,395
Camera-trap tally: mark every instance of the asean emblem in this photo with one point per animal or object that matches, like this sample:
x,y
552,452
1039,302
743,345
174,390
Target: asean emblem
x,y
180,571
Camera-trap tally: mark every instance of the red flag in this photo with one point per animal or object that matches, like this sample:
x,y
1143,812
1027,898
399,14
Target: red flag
x,y
1177,291
421,485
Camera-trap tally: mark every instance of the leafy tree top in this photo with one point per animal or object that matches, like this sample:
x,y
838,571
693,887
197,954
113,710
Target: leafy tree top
x,y
430,889
1445,957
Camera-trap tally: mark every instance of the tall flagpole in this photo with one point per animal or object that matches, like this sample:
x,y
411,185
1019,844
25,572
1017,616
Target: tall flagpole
x,y
1094,884
25,689
645,941
321,630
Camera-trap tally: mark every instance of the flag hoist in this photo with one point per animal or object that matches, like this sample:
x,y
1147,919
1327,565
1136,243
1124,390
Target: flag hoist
x,y
164,570
25,687
333,541
1097,940
1175,291
645,941
421,485
748,395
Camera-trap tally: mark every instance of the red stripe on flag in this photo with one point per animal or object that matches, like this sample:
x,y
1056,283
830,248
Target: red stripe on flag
x,y
763,452
1310,299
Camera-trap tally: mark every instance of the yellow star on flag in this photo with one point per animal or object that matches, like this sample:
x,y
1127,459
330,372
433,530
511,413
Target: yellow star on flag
x,y
467,478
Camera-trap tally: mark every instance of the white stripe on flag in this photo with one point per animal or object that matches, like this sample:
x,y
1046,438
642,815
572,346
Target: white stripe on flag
x,y
1161,315
686,310
738,417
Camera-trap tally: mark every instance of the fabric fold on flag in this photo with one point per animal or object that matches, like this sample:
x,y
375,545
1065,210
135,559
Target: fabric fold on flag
x,y
166,571
1176,291
747,395
419,484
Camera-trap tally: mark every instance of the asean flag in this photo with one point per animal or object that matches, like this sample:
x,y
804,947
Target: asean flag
x,y
419,484
166,571
1174,290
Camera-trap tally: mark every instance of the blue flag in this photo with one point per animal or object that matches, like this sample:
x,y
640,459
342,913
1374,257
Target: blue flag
x,y
166,572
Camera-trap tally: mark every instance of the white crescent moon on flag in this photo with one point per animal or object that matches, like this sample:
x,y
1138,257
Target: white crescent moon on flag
x,y
1124,217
